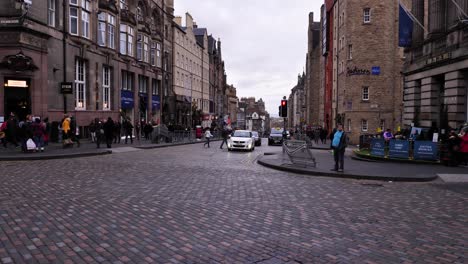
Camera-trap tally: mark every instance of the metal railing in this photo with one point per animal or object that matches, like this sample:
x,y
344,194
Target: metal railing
x,y
299,153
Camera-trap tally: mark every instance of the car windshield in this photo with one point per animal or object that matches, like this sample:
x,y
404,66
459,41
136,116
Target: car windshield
x,y
255,134
245,134
275,131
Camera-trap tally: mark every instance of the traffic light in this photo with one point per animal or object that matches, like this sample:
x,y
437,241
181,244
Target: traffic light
x,y
284,108
279,111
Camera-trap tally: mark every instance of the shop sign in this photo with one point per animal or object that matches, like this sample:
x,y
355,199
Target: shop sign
x,y
126,99
357,71
376,70
378,147
66,88
436,59
5,22
399,149
155,102
425,150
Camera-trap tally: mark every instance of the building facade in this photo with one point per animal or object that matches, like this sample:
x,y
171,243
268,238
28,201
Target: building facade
x,y
312,77
191,73
297,105
91,59
363,63
436,70
217,77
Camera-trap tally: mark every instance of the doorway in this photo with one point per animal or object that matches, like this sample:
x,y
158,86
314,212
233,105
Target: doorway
x,y
17,98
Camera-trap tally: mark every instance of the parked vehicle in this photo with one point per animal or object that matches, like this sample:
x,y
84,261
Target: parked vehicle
x,y
241,139
276,137
257,138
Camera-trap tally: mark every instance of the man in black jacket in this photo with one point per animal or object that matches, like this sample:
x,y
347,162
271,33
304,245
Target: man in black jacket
x,y
339,144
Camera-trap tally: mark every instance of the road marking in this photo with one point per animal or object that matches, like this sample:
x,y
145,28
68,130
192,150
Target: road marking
x,y
454,177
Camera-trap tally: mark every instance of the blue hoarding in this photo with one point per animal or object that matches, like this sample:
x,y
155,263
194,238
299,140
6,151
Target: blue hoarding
x,y
126,99
399,149
378,147
376,70
425,150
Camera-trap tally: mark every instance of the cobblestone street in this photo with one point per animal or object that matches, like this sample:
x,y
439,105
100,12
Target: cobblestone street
x,y
188,204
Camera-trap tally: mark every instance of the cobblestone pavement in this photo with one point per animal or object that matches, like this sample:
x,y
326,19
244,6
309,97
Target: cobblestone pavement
x,y
188,204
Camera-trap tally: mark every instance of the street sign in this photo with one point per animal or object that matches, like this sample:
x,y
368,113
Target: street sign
x,y
399,149
378,147
66,88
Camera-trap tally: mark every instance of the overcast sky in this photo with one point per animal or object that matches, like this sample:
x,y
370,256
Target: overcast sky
x,y
264,42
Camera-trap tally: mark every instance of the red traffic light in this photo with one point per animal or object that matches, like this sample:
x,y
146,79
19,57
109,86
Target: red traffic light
x,y
283,102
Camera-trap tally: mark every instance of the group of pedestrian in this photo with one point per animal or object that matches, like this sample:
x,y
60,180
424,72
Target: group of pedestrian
x,y
317,134
30,134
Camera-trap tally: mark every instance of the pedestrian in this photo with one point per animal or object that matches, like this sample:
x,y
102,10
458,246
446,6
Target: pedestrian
x,y
147,130
453,147
75,131
92,131
99,132
339,144
208,136
11,133
38,129
117,131
3,128
47,128
25,132
137,130
464,146
128,129
66,128
225,135
323,136
108,131
388,136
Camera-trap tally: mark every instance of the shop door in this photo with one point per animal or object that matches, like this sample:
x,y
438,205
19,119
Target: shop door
x,y
17,98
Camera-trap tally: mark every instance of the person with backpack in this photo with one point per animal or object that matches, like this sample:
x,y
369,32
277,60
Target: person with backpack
x,y
339,144
38,130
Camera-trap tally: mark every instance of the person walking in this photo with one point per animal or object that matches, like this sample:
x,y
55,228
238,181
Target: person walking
x,y
117,131
11,132
208,136
92,131
128,128
225,135
75,131
99,132
453,147
464,146
137,130
339,144
108,131
38,129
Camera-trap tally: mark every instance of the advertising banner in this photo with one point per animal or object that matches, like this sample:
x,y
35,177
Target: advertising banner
x,y
399,149
425,150
378,147
126,98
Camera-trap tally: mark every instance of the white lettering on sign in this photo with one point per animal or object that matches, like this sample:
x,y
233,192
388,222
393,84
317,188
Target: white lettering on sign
x,y
16,83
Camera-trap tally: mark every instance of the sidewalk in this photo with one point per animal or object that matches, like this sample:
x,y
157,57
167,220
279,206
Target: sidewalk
x,y
87,148
356,169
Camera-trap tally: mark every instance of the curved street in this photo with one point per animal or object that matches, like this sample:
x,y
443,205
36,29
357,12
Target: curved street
x,y
188,204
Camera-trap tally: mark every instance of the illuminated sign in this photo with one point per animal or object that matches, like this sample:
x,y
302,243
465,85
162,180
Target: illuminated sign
x,y
16,83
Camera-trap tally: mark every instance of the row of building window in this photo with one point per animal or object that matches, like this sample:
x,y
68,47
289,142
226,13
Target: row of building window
x,y
79,24
187,43
127,82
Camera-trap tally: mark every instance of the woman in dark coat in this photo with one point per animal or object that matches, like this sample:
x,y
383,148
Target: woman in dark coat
x,y
109,131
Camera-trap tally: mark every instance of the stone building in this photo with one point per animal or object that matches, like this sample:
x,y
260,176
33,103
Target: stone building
x,y
191,73
217,77
312,78
436,70
297,105
365,73
231,94
256,117
91,59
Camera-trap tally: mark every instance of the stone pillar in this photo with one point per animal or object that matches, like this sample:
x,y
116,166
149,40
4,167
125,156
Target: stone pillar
x,y
418,11
430,88
412,100
437,16
455,97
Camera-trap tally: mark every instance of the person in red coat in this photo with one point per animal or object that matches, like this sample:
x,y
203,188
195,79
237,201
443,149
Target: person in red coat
x,y
464,146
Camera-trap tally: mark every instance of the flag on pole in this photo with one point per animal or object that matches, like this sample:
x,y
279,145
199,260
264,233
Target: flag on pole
x,y
405,33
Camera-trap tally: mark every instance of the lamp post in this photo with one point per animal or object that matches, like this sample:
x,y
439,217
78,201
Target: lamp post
x,y
191,101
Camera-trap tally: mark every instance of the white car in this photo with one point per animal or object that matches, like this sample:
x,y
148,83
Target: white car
x,y
241,139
